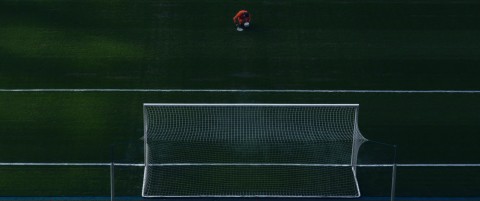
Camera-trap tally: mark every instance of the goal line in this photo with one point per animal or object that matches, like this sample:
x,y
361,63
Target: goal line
x,y
239,164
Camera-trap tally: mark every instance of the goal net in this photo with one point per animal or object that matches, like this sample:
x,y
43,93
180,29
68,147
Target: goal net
x,y
251,150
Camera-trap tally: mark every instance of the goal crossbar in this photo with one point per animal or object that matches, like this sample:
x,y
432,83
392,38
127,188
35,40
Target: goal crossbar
x,y
248,104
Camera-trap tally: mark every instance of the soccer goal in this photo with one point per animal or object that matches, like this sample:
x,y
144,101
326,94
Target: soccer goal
x,y
251,150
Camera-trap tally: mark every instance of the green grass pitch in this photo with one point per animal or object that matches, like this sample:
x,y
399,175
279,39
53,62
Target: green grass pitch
x,y
193,44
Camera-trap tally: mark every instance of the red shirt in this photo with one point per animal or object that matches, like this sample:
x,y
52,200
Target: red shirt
x,y
240,18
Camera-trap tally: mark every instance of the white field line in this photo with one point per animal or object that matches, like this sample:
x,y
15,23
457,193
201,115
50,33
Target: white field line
x,y
245,91
72,164
237,164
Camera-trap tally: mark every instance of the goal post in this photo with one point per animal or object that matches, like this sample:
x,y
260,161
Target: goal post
x,y
251,150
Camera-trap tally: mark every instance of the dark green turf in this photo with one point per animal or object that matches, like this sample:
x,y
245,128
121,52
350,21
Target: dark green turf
x,y
301,44
80,127
54,181
69,181
421,182
250,181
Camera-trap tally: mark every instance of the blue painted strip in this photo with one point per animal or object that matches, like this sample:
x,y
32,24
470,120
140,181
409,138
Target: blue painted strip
x,y
135,198
420,198
79,198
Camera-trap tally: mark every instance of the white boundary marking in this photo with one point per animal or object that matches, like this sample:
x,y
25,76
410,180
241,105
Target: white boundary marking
x,y
73,164
245,91
238,164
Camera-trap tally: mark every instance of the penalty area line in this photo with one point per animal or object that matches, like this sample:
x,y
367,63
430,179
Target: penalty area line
x,y
248,91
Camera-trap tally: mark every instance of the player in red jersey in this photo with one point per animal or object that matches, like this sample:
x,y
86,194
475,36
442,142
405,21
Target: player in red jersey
x,y
242,20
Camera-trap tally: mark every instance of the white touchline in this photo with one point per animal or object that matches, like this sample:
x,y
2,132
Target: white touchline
x,y
245,91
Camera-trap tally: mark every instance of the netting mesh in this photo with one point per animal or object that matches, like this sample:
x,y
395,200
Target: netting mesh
x,y
251,150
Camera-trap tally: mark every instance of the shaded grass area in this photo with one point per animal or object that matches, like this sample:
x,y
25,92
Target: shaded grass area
x,y
96,127
54,181
250,181
292,44
82,127
425,182
436,183
69,181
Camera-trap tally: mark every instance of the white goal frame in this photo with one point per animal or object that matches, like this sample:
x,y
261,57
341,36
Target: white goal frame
x,y
353,163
